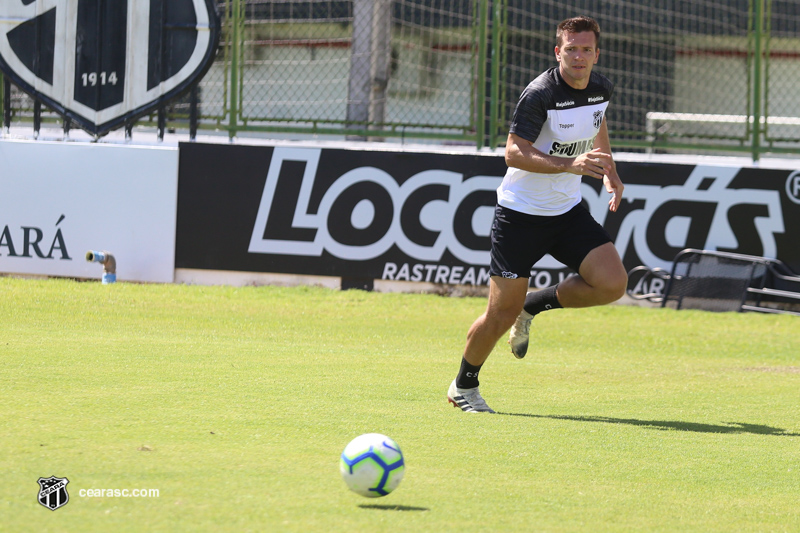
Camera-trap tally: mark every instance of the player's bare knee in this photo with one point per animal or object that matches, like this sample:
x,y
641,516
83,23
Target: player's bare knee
x,y
504,319
615,286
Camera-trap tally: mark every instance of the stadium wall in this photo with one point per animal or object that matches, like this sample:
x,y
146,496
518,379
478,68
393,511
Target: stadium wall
x,y
376,216
60,200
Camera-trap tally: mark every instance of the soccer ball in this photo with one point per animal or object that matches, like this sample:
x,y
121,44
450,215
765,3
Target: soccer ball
x,y
372,465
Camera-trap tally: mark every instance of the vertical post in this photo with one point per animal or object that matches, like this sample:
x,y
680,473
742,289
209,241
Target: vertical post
x,y
381,52
494,99
193,97
236,15
37,118
480,107
162,122
360,82
758,24
766,47
5,97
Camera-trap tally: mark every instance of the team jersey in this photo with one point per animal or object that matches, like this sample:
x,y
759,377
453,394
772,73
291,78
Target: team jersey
x,y
557,120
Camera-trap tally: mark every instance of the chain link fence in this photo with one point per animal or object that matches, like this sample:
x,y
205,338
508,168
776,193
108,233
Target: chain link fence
x,y
369,65
705,75
672,63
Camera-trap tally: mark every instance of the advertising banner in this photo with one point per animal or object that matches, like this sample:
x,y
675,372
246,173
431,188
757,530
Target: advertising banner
x,y
60,200
427,216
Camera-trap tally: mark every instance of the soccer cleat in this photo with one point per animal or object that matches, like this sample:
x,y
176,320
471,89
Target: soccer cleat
x,y
469,400
519,335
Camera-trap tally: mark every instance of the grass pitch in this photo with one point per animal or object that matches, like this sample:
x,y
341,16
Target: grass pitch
x,y
235,404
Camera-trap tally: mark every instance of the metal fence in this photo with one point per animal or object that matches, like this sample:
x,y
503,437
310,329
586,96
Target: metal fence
x,y
698,76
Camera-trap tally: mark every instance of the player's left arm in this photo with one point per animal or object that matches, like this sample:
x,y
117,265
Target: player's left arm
x,y
611,179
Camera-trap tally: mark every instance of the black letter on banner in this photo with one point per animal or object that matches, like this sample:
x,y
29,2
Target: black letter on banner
x,y
742,219
462,221
701,215
340,221
284,203
29,243
410,214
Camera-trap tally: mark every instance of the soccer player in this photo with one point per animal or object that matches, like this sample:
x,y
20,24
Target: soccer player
x,y
558,133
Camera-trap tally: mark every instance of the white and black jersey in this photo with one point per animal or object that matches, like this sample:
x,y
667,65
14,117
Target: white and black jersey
x,y
560,121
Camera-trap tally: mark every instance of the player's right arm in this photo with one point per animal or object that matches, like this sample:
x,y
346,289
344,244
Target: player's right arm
x,y
521,154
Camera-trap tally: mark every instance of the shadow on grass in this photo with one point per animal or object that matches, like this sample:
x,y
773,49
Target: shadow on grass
x,y
669,425
392,507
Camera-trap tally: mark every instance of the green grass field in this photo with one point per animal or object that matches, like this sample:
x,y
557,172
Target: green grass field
x,y
235,404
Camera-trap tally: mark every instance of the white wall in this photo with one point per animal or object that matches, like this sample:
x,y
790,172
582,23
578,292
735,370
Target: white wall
x,y
78,197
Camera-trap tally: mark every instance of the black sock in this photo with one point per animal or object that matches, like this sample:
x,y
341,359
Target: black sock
x,y
468,375
542,300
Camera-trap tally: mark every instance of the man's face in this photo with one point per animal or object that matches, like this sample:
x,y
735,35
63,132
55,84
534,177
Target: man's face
x,y
576,56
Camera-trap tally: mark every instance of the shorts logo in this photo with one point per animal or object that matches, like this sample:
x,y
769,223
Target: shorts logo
x,y
509,275
103,64
53,492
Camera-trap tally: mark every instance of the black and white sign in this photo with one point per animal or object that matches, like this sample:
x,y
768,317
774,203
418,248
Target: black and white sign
x,y
427,216
336,212
104,62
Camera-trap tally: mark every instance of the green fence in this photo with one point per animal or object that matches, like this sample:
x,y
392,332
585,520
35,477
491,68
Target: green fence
x,y
702,76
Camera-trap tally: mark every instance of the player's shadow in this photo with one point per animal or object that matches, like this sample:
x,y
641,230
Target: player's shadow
x,y
670,425
380,507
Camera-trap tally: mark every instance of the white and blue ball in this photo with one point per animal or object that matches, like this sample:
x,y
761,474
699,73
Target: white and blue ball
x,y
372,465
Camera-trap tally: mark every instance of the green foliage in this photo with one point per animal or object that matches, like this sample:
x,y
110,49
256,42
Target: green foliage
x,y
235,404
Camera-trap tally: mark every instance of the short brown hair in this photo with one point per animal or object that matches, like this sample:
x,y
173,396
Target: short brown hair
x,y
578,25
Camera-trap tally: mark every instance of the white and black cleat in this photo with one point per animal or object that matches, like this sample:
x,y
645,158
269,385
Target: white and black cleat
x,y
468,400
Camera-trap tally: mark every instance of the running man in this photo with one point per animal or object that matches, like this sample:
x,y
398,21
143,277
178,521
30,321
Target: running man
x,y
558,133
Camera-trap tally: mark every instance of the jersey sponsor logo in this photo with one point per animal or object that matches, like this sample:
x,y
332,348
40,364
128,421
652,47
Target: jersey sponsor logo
x,y
103,64
593,99
572,149
566,126
565,104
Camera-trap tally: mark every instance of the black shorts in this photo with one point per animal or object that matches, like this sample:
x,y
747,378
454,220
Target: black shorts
x,y
520,240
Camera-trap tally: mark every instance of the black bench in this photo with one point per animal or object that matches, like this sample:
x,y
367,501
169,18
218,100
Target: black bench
x,y
719,281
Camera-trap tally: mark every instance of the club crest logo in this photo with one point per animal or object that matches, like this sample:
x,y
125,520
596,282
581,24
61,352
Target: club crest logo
x,y
598,119
53,492
103,63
